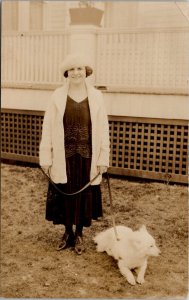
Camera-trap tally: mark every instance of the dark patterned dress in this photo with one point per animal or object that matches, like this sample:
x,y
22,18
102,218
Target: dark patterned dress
x,y
79,209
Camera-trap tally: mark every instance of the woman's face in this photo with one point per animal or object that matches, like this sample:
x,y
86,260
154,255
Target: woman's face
x,y
77,75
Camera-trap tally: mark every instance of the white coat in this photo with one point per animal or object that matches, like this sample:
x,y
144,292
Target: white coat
x,y
52,150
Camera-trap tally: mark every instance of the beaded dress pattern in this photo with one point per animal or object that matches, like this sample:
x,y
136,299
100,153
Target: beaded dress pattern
x,y
77,126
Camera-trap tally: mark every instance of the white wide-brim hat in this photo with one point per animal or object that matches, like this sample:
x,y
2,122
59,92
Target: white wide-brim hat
x,y
75,61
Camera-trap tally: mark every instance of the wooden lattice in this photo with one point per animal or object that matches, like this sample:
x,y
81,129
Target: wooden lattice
x,y
20,134
150,148
149,145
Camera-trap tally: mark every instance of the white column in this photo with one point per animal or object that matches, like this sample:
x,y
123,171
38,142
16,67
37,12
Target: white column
x,y
83,40
23,15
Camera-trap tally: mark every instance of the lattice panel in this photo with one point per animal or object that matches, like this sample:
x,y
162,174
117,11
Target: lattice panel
x,y
150,148
20,134
159,148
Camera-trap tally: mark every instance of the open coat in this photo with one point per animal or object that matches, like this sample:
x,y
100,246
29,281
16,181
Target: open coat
x,y
52,150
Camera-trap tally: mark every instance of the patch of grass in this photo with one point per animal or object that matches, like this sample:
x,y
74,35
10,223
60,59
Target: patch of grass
x,y
32,268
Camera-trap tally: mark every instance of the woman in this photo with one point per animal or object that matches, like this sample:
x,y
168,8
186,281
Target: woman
x,y
75,148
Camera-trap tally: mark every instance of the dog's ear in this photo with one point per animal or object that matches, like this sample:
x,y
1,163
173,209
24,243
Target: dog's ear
x,y
136,243
143,228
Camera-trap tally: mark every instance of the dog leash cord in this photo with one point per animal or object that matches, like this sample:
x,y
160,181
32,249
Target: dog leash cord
x,y
111,207
60,191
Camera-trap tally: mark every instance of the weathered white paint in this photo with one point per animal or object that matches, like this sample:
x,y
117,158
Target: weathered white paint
x,y
120,104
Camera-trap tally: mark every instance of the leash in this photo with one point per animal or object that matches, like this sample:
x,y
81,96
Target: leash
x,y
63,193
111,207
82,189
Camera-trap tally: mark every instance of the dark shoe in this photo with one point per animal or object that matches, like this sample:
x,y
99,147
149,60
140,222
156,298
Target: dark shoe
x,y
67,241
79,246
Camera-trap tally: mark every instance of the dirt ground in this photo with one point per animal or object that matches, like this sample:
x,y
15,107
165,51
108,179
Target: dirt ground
x,y
32,268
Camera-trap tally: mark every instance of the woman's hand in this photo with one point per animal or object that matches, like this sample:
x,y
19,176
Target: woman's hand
x,y
45,169
102,169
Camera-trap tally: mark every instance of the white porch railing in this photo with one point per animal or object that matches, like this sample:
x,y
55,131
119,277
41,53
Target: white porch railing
x,y
139,61
32,59
154,61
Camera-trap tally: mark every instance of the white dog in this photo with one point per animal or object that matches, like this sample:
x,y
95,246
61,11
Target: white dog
x,y
132,250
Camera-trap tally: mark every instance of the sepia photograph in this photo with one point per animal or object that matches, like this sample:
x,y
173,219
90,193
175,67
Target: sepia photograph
x,y
94,149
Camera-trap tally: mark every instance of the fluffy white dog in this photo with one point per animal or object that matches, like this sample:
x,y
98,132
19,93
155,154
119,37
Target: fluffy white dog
x,y
131,250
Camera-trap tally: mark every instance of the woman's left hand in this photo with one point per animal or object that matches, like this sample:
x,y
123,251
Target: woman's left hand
x,y
102,169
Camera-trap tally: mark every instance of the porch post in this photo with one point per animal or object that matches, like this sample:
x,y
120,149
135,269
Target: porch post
x,y
83,41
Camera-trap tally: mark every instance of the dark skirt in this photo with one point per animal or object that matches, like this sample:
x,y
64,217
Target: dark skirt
x,y
79,209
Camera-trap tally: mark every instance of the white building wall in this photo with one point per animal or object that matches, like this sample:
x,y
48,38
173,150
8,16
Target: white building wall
x,y
117,104
9,15
120,14
146,14
117,14
56,15
165,14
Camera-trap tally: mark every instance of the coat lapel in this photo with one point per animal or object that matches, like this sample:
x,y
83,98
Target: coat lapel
x,y
93,102
61,98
